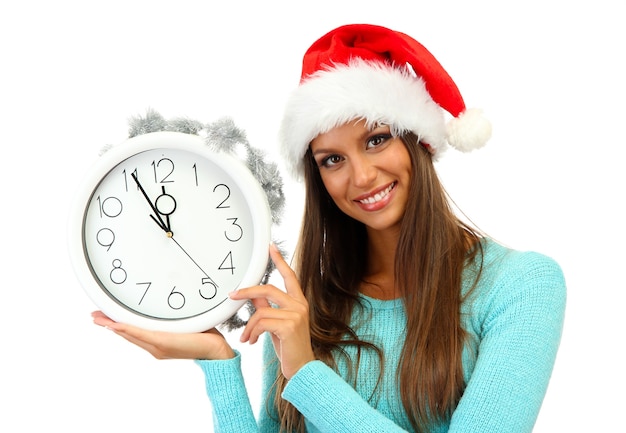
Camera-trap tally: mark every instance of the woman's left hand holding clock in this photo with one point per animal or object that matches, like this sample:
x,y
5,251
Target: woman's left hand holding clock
x,y
210,344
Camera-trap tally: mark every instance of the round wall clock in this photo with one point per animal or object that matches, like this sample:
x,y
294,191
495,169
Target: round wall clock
x,y
163,228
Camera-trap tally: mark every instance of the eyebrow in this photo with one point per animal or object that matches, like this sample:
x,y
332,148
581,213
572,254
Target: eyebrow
x,y
317,152
365,134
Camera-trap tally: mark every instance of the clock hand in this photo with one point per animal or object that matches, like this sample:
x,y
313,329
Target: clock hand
x,y
165,204
194,262
160,221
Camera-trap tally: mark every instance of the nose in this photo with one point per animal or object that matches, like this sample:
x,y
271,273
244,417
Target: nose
x,y
363,171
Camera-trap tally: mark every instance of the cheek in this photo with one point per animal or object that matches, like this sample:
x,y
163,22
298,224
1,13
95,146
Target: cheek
x,y
402,160
335,187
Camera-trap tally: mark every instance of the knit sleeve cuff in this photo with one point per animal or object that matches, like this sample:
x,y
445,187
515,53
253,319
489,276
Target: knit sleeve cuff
x,y
331,404
227,392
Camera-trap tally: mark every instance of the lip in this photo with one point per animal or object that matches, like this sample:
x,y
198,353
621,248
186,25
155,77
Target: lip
x,y
377,198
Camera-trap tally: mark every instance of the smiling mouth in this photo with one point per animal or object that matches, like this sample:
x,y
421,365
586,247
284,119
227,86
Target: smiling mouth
x,y
378,196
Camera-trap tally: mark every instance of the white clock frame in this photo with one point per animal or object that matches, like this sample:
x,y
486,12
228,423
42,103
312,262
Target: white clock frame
x,y
254,195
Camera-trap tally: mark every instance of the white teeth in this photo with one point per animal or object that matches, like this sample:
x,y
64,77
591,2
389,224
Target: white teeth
x,y
379,196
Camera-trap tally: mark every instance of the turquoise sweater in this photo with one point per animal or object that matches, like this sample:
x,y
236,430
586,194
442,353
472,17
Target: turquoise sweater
x,y
514,319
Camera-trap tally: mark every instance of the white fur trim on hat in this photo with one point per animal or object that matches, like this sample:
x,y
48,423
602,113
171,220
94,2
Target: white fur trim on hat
x,y
373,91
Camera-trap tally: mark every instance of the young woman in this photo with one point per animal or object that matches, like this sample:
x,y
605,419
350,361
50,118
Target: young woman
x,y
399,316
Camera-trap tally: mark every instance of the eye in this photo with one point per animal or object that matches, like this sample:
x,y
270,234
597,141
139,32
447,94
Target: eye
x,y
377,140
330,161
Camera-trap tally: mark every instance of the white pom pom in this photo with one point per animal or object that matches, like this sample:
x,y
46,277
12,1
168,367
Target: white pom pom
x,y
469,131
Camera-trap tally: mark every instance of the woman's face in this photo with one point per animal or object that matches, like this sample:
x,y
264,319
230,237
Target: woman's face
x,y
366,172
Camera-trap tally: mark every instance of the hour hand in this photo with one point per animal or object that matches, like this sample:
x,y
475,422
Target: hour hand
x,y
165,205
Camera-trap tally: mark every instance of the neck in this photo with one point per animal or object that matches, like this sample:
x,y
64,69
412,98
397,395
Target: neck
x,y
379,282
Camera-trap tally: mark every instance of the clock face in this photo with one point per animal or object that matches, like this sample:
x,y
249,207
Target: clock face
x,y
168,229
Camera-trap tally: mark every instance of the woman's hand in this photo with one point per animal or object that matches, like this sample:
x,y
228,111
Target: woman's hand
x,y
288,324
164,345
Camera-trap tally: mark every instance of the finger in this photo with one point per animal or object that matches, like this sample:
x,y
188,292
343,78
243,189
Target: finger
x,y
124,331
254,328
100,319
285,325
150,348
160,345
136,335
268,292
265,325
281,265
260,303
292,285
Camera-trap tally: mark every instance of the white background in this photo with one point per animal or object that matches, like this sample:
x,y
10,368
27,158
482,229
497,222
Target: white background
x,y
549,74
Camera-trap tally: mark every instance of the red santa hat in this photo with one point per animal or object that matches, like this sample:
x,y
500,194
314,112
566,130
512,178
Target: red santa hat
x,y
368,72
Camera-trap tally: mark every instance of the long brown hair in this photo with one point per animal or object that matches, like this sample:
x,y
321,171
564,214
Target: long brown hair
x,y
430,257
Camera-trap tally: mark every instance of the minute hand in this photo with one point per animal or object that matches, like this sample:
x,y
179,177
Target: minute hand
x,y
160,221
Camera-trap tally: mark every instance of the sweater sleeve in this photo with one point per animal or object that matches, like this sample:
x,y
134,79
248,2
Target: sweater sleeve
x,y
518,323
331,405
225,387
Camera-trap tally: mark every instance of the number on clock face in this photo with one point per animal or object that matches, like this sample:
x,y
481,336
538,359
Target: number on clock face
x,y
168,234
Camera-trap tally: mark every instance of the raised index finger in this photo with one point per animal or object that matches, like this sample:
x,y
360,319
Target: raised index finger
x,y
292,285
